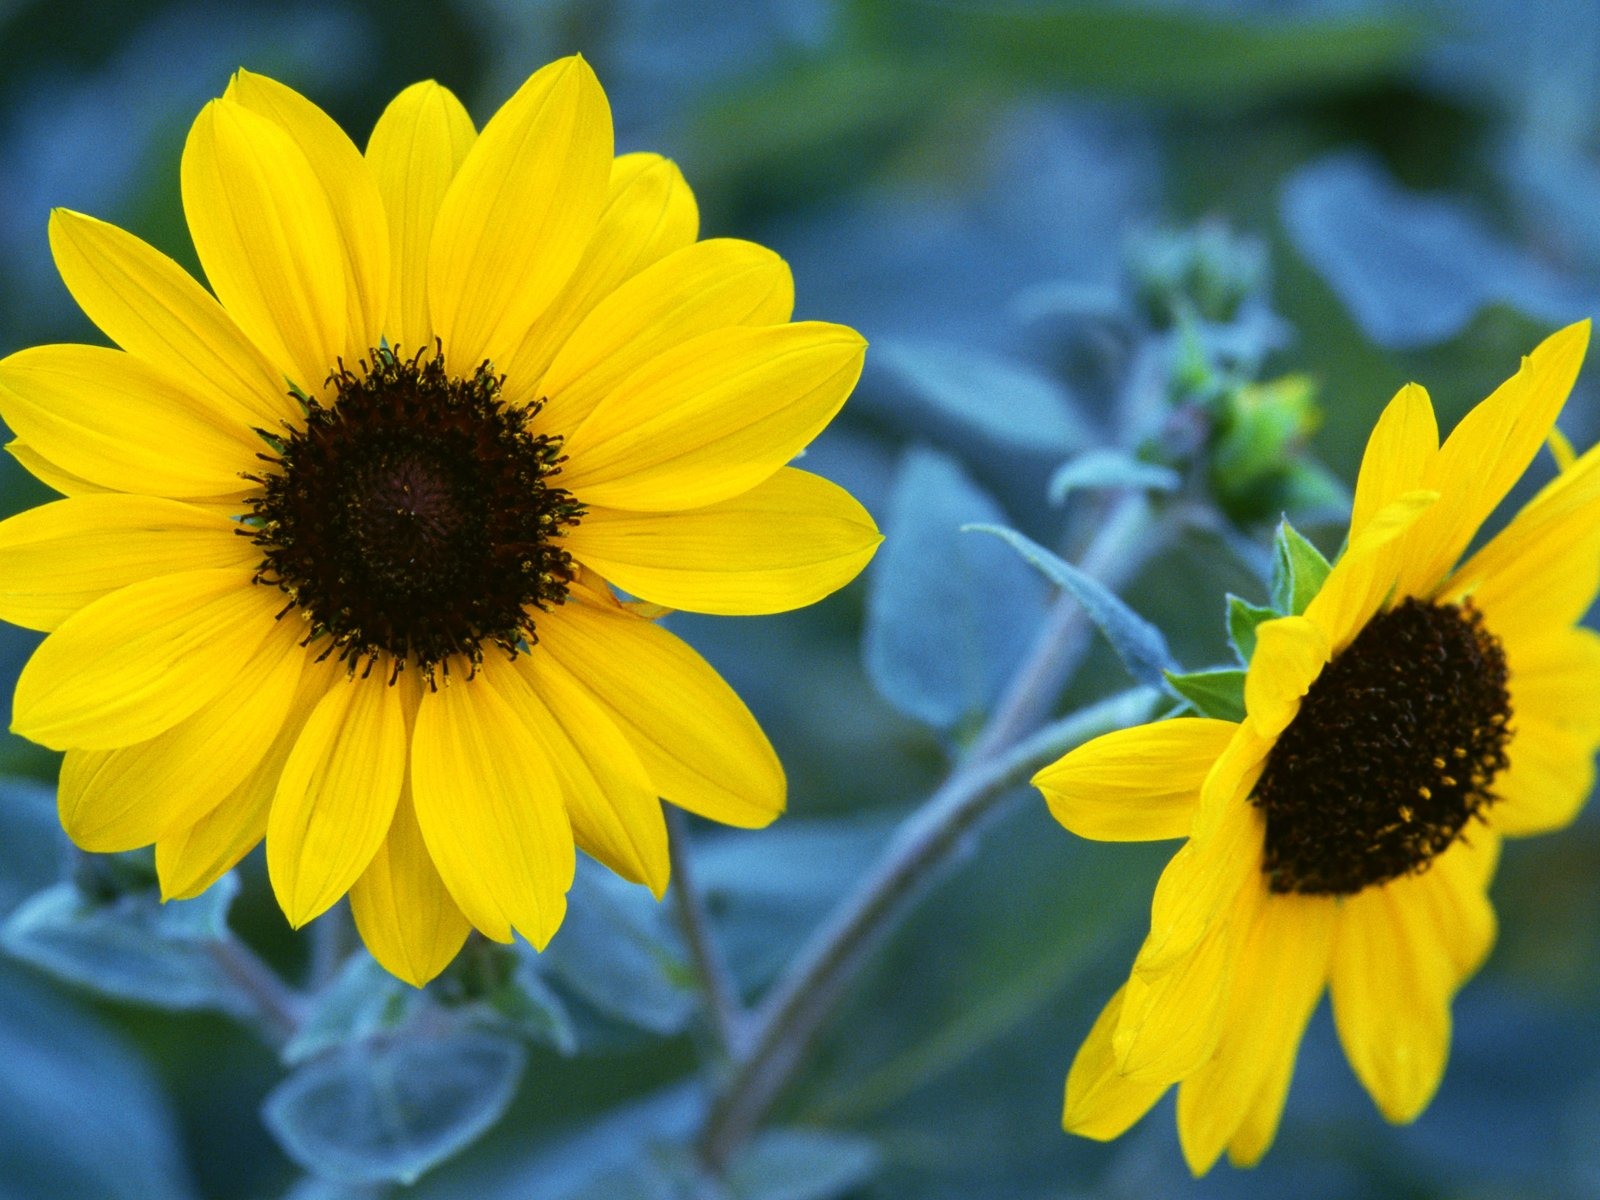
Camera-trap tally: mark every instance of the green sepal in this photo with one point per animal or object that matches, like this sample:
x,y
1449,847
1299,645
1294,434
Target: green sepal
x,y
1216,693
1298,570
1243,617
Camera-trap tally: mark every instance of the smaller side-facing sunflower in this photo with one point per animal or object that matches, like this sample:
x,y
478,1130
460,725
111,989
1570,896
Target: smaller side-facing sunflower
x,y
1343,835
334,562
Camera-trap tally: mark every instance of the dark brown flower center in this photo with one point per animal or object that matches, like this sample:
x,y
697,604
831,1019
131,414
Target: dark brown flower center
x,y
414,516
1394,749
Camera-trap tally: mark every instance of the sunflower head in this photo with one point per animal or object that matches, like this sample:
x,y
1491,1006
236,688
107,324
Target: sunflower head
x,y
334,564
1400,712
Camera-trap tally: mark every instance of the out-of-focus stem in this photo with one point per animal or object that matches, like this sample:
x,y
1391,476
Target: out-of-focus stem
x,y
277,1008
728,1017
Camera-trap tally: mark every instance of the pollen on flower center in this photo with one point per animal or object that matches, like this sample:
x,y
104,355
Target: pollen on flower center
x,y
414,515
1395,748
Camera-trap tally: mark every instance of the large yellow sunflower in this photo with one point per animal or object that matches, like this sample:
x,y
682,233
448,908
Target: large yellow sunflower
x,y
1344,834
334,563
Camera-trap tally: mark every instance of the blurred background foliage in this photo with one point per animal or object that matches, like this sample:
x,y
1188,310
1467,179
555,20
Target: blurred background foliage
x,y
1093,244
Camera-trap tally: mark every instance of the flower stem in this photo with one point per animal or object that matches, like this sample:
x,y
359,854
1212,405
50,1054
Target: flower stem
x,y
277,1008
728,1017
1002,753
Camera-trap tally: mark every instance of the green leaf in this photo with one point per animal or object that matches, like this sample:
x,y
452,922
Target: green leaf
x,y
1243,617
1298,570
1215,693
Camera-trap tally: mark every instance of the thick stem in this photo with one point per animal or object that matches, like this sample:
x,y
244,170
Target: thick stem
x,y
803,997
728,1018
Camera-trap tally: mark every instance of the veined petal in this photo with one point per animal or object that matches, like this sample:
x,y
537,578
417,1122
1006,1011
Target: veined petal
x,y
649,213
267,239
1402,445
190,860
520,213
402,909
1172,1017
610,797
47,473
1290,654
149,306
697,290
60,557
340,172
336,795
135,663
113,800
1550,777
1365,576
1401,951
787,542
1487,452
1137,784
699,742
1277,981
713,416
489,805
415,150
1542,570
122,424
1101,1102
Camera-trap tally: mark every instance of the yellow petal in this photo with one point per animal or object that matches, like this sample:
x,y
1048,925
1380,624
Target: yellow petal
x,y
402,909
1277,981
699,742
1365,576
1402,444
713,416
1550,778
1137,784
786,543
1256,1132
1172,1017
697,290
112,800
1102,1103
149,306
415,150
336,795
190,860
119,422
611,800
1222,854
1542,570
490,809
649,213
519,214
1290,653
1401,951
59,557
1487,452
135,663
351,193
267,239
47,473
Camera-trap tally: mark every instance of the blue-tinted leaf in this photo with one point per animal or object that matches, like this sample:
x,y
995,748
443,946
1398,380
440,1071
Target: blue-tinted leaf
x,y
618,952
131,948
527,1006
394,1106
1110,469
1412,269
948,617
1218,693
1298,570
79,1114
1243,617
802,1164
1138,643
32,847
364,1000
1006,401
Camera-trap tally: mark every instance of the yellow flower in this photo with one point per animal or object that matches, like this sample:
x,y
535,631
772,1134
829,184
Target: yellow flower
x,y
1345,832
334,560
